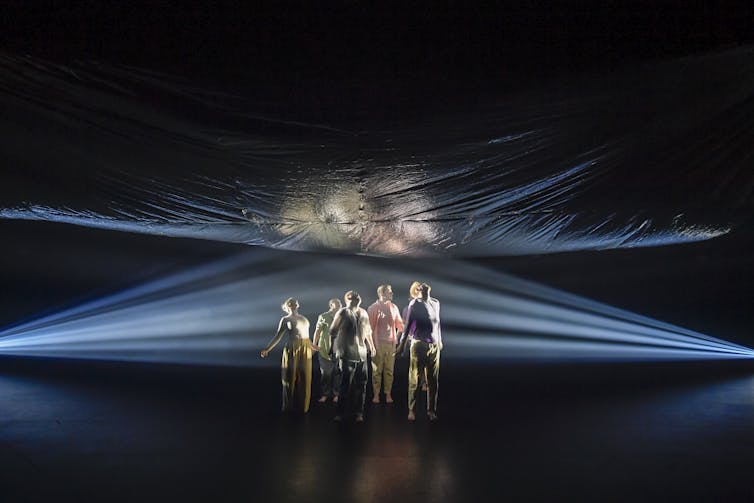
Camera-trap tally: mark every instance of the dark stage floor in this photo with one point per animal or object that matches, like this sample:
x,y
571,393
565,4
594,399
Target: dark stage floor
x,y
112,432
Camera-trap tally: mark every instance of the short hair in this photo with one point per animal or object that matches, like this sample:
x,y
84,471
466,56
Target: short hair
x,y
351,293
336,302
285,305
413,290
381,289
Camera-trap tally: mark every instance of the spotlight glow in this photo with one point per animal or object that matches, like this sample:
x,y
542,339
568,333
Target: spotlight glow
x,y
223,313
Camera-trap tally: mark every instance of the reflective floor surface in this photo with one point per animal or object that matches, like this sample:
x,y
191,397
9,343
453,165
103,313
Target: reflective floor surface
x,y
114,432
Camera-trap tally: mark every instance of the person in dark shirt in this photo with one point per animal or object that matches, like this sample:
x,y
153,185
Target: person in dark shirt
x,y
352,342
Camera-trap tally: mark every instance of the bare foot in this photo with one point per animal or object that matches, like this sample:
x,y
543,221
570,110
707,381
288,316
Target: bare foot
x,y
335,399
376,399
359,418
388,398
322,399
411,415
432,416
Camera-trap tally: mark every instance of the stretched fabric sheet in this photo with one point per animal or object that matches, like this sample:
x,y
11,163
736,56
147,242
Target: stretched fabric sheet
x,y
651,155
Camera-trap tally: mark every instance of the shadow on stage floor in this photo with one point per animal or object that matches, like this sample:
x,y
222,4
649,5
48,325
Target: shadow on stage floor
x,y
87,431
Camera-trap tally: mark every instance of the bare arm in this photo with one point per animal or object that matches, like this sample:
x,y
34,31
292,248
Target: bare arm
x,y
373,313
397,320
317,334
368,337
336,322
406,327
279,335
439,328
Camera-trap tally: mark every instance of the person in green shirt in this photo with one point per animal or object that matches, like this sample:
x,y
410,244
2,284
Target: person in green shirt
x,y
327,364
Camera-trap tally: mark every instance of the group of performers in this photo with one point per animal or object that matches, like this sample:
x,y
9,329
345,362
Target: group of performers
x,y
346,337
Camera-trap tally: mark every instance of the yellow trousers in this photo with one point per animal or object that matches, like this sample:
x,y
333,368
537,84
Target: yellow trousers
x,y
296,374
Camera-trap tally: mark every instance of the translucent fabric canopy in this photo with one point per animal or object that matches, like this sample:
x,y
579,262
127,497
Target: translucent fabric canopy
x,y
650,155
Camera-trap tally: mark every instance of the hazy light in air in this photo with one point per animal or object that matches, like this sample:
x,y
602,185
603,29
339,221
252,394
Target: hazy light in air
x,y
223,313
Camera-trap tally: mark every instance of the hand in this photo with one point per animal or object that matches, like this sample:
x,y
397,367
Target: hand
x,y
315,348
264,353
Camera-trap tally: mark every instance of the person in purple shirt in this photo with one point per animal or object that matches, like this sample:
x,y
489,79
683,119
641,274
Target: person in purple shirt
x,y
413,293
422,327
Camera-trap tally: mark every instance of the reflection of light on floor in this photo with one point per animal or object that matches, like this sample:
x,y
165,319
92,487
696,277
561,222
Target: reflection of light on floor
x,y
225,312
394,464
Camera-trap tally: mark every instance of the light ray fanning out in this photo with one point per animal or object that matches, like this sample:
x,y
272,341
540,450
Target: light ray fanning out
x,y
224,313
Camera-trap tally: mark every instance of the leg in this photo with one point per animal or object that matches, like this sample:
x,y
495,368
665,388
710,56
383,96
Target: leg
x,y
326,368
286,377
423,381
377,365
346,379
304,371
433,380
360,388
335,379
413,377
296,371
388,358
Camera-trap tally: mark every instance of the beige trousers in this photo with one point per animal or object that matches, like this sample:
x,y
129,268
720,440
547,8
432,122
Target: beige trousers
x,y
424,357
383,364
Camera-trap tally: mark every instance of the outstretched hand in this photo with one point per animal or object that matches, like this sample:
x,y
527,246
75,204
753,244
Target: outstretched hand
x,y
264,353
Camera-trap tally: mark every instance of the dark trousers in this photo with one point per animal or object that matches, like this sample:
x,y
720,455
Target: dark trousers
x,y
353,386
330,376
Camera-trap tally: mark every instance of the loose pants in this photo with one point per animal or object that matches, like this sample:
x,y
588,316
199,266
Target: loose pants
x,y
383,364
424,357
329,382
353,386
296,374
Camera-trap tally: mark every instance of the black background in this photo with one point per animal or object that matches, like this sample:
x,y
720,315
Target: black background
x,y
364,57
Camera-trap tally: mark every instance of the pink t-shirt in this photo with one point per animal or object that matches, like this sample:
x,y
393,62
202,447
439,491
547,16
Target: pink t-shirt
x,y
385,319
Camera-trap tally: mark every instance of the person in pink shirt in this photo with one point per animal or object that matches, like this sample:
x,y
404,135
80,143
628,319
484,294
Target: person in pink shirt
x,y
386,322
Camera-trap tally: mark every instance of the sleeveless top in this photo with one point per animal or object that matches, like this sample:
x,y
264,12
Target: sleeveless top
x,y
350,343
297,329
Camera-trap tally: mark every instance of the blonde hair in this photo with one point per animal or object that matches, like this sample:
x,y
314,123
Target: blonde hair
x,y
413,290
286,306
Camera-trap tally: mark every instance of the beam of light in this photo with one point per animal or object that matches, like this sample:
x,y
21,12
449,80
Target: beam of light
x,y
225,312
